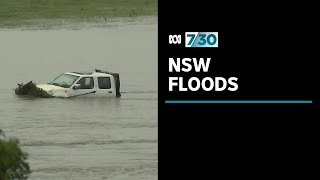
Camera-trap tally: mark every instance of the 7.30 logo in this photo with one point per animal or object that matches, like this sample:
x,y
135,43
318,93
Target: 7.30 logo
x,y
201,39
196,39
174,39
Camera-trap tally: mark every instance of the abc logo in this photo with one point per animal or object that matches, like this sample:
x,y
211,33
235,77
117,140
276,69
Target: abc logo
x,y
174,39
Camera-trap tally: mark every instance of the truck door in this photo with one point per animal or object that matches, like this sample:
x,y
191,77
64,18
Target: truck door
x,y
84,87
105,86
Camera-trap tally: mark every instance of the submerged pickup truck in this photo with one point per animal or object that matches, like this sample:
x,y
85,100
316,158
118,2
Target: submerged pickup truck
x,y
84,84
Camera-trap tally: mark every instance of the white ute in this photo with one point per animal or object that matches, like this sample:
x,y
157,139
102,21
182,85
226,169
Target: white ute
x,y
95,84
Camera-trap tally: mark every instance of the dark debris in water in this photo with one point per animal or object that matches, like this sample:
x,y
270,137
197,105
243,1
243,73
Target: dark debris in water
x,y
31,89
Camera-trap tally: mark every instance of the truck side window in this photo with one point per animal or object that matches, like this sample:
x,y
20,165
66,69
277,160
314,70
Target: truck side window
x,y
104,82
86,83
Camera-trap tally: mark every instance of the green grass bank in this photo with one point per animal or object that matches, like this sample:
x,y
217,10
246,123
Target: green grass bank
x,y
21,12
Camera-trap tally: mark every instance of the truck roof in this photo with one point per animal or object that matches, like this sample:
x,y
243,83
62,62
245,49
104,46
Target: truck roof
x,y
89,74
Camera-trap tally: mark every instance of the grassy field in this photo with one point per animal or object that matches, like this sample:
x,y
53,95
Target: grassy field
x,y
19,12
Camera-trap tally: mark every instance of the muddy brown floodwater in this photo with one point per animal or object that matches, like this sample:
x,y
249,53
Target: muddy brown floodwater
x,y
83,138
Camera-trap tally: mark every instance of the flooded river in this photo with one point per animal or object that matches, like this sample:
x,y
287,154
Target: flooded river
x,y
83,138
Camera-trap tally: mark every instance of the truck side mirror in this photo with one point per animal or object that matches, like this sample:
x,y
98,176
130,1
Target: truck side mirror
x,y
76,86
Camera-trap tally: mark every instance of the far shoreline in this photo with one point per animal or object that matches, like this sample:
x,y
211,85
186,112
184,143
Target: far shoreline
x,y
74,24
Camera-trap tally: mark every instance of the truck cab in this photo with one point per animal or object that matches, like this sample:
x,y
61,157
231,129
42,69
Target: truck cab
x,y
84,84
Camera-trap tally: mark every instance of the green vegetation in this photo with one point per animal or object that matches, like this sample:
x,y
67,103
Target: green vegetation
x,y
20,12
12,159
31,89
